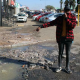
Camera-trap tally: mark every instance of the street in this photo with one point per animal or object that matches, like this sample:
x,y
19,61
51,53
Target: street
x,y
22,31
30,51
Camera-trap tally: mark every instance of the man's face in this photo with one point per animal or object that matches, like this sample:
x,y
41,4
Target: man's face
x,y
67,11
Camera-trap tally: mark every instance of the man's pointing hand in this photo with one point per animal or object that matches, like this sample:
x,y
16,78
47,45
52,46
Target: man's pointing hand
x,y
38,29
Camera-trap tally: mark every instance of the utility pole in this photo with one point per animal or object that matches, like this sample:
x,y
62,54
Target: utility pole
x,y
0,12
7,6
78,3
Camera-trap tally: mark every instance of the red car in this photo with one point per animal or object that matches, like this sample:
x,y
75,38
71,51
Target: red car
x,y
37,19
36,13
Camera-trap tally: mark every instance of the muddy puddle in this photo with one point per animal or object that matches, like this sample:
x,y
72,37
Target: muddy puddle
x,y
9,69
22,48
26,34
46,47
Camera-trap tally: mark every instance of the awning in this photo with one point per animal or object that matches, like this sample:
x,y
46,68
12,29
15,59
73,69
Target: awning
x,y
12,2
12,6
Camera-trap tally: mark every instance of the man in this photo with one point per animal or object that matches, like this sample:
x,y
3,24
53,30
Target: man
x,y
64,35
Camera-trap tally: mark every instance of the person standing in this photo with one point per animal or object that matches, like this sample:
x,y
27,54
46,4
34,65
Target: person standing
x,y
64,35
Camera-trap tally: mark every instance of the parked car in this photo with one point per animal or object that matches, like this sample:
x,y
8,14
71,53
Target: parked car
x,y
22,17
29,13
44,14
42,18
53,17
15,15
36,13
34,17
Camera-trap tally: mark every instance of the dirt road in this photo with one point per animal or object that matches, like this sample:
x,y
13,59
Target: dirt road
x,y
45,49
24,34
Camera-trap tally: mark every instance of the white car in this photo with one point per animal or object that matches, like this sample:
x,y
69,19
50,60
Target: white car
x,y
27,15
22,17
15,15
53,17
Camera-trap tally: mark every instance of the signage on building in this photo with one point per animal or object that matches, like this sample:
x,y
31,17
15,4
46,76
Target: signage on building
x,y
17,5
12,2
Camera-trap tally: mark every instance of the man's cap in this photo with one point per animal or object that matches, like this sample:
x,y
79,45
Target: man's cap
x,y
67,8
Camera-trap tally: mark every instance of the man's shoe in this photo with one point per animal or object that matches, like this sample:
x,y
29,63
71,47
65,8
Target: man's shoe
x,y
68,70
58,69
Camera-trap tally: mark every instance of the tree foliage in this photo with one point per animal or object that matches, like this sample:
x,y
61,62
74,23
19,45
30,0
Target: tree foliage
x,y
66,2
61,2
49,7
71,3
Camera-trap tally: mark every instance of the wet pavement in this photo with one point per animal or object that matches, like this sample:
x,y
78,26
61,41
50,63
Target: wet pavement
x,y
32,59
11,69
36,61
43,74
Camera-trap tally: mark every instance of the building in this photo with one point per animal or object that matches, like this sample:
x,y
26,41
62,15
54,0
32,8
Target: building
x,y
9,6
24,8
17,9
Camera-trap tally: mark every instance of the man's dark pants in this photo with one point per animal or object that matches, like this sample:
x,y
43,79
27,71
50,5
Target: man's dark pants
x,y
61,44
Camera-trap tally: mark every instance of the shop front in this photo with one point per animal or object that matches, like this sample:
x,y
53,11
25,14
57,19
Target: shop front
x,y
11,7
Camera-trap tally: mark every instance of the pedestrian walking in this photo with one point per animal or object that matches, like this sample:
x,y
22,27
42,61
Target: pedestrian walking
x,y
64,35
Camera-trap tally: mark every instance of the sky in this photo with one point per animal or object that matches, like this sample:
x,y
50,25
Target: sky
x,y
39,4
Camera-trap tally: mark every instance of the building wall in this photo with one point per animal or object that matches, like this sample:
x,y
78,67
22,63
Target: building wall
x,y
11,8
17,9
9,2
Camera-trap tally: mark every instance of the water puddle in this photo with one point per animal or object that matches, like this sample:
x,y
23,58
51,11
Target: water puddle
x,y
9,69
26,34
18,28
14,29
22,48
46,47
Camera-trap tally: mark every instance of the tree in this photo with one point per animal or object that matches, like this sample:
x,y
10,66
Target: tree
x,y
66,2
49,7
78,1
74,4
61,2
70,3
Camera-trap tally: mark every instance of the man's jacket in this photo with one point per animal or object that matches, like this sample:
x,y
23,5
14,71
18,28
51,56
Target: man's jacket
x,y
70,25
